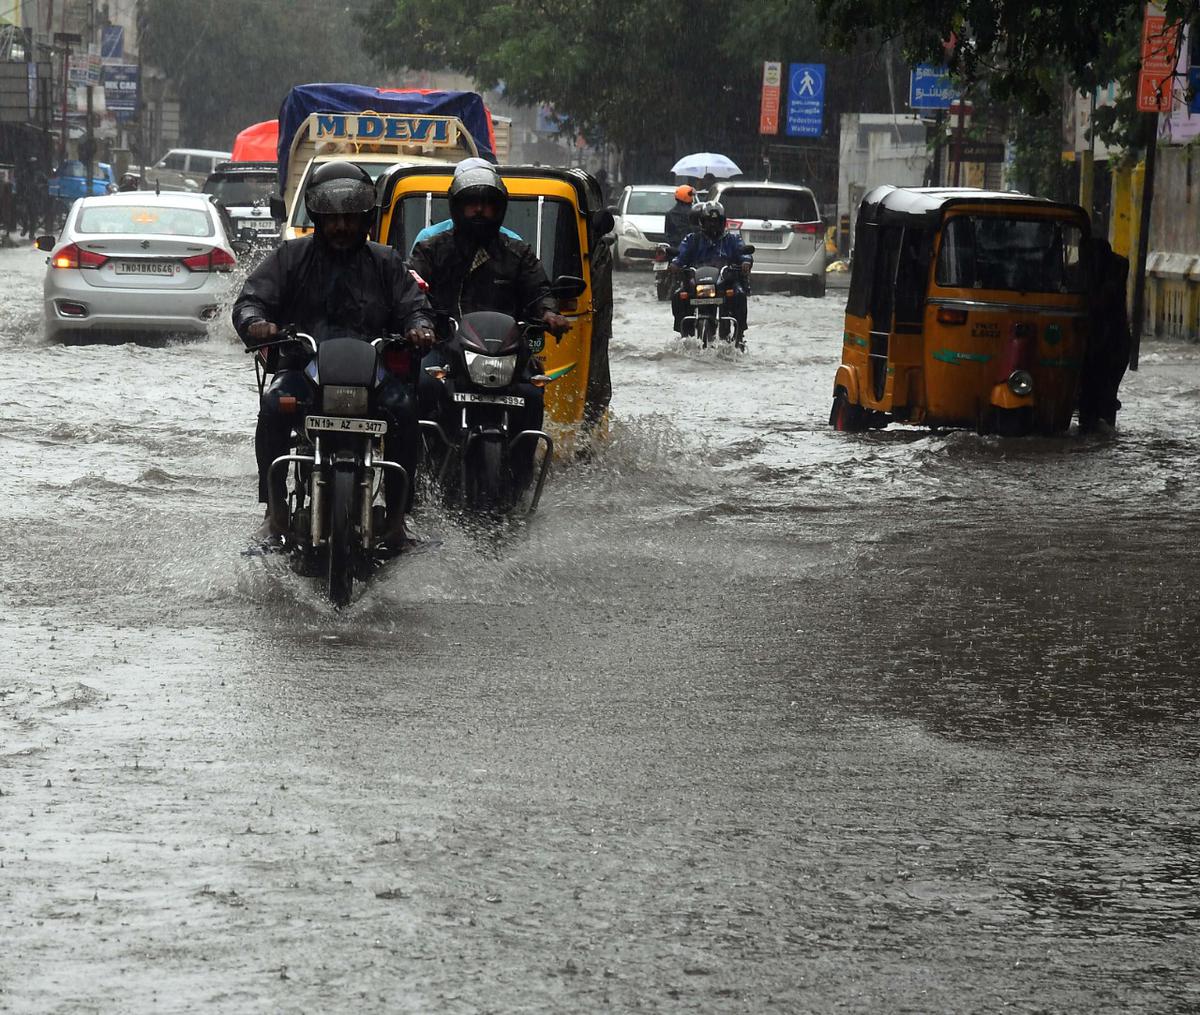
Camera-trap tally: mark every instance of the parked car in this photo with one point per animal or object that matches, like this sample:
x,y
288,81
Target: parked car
x,y
641,222
183,169
69,181
137,262
781,221
244,190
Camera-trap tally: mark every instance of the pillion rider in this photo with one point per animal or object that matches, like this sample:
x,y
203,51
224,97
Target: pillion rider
x,y
475,266
334,283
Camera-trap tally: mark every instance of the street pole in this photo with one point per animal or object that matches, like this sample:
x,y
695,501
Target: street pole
x,y
91,131
1139,267
958,143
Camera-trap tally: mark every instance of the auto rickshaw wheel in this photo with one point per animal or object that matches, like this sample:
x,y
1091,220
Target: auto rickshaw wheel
x,y
845,415
1012,422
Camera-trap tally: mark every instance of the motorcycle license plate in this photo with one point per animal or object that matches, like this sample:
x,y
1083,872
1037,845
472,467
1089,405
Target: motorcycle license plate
x,y
339,424
660,265
708,301
469,397
145,268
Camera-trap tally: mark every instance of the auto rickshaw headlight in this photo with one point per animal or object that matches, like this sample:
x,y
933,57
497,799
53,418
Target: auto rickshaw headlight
x,y
1020,383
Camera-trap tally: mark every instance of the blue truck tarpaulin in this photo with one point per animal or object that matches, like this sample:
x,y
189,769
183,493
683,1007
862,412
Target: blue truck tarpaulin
x,y
304,100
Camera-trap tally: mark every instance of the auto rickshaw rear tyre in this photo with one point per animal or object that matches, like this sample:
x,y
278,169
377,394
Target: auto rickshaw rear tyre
x,y
845,415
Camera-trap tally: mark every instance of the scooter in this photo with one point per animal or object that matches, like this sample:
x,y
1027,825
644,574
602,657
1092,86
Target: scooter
x,y
329,518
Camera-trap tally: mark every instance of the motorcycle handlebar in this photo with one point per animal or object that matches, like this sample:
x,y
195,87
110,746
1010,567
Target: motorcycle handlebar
x,y
285,336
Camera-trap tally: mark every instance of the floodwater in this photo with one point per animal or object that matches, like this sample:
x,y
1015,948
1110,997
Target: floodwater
x,y
753,716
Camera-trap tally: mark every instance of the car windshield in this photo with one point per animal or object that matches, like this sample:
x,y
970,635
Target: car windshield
x,y
156,220
374,170
241,190
748,203
649,202
1013,254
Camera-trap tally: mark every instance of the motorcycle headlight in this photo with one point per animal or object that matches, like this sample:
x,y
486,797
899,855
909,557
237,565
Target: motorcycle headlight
x,y
491,371
344,400
1020,383
706,290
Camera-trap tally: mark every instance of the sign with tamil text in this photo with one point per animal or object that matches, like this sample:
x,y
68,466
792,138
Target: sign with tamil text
x,y
806,99
768,114
930,87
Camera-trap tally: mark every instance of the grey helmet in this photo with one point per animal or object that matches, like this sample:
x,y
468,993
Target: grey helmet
x,y
475,178
339,188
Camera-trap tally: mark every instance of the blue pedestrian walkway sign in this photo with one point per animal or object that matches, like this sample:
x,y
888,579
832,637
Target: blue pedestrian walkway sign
x,y
806,99
930,87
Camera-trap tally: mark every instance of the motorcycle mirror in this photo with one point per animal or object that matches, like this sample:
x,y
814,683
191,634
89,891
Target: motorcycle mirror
x,y
44,242
568,287
748,249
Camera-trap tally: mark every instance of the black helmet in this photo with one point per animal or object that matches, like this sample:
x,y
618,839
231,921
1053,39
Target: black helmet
x,y
339,188
476,179
711,215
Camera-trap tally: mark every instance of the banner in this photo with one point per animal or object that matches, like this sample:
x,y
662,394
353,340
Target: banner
x,y
1158,62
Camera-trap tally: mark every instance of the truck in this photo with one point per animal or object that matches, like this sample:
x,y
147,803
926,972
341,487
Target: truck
x,y
374,128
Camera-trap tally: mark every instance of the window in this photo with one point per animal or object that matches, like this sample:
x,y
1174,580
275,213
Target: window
x,y
200,164
753,204
374,170
557,245
173,160
240,190
649,202
145,220
1010,254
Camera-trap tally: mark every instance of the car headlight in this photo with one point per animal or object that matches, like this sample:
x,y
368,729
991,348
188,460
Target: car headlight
x,y
491,371
630,229
1020,383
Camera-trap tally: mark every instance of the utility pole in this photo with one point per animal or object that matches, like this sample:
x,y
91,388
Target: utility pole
x,y
90,141
1139,266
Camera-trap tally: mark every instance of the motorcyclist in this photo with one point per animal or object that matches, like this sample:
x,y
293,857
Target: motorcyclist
x,y
679,218
712,245
129,182
330,283
474,266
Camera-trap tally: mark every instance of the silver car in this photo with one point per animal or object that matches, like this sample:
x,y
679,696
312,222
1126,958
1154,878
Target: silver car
x,y
641,222
782,223
135,263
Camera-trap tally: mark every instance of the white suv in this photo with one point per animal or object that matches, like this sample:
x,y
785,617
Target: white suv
x,y
183,169
783,224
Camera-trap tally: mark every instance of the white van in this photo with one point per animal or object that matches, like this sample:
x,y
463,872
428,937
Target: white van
x,y
183,169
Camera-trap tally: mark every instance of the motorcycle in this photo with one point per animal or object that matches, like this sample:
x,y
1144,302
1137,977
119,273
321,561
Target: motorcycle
x,y
487,374
329,518
662,270
710,293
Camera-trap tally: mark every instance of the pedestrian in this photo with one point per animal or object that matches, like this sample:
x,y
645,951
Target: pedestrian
x,y
1107,354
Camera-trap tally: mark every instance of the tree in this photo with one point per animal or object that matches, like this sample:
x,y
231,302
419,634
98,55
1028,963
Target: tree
x,y
232,61
657,78
1022,49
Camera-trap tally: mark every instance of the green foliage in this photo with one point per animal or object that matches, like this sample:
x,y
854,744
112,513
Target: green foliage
x,y
658,78
232,61
1022,50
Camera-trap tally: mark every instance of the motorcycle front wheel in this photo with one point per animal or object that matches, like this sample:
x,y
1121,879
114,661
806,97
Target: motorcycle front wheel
x,y
341,537
485,476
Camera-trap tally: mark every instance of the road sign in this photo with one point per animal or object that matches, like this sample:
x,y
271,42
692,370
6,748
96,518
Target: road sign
x,y
929,87
768,114
1158,62
806,99
112,44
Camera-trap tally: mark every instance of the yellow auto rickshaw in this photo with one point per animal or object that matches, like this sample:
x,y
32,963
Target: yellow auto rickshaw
x,y
967,308
561,214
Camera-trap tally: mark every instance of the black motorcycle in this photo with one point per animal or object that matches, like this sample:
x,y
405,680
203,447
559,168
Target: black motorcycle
x,y
329,517
709,294
474,447
662,270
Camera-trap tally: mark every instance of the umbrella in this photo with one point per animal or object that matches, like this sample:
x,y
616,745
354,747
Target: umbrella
x,y
704,163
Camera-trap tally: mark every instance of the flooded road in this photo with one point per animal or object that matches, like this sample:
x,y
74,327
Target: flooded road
x,y
754,716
